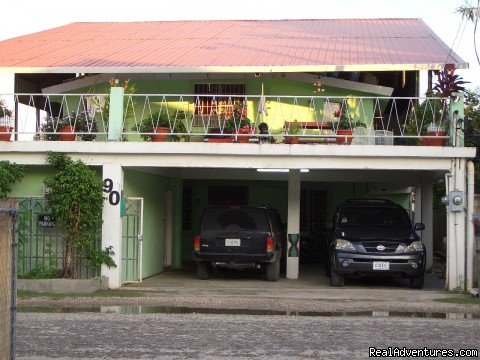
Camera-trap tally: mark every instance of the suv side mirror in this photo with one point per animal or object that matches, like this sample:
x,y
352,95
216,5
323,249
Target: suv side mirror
x,y
328,224
419,226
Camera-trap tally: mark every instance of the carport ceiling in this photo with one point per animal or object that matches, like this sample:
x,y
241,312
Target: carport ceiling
x,y
409,177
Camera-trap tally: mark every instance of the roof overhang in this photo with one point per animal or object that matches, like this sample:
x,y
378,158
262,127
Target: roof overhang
x,y
227,69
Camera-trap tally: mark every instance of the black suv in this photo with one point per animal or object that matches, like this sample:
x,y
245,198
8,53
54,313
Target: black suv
x,y
372,237
240,237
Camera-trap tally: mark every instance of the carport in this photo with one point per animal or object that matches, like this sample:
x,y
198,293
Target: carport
x,y
365,170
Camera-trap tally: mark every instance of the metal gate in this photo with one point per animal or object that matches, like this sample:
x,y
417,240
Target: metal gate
x,y
41,245
132,233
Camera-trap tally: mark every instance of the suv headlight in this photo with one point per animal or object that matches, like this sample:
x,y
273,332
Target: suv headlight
x,y
415,246
344,245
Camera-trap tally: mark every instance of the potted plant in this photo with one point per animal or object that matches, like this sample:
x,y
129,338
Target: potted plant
x,y
343,126
239,123
6,125
65,128
293,128
157,125
431,117
236,123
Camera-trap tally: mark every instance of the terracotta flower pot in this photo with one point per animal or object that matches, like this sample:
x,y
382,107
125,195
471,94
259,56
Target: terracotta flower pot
x,y
440,141
291,140
67,133
344,136
243,139
5,129
219,139
160,134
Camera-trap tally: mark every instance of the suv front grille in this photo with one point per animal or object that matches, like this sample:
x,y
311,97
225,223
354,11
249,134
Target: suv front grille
x,y
372,247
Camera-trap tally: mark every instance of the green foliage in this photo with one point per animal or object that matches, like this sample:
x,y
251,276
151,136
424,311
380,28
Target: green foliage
x,y
44,271
293,128
161,119
4,111
238,122
345,122
431,111
9,174
472,129
76,200
82,123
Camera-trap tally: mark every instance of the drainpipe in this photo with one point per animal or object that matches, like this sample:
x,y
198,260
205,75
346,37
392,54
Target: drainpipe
x,y
470,231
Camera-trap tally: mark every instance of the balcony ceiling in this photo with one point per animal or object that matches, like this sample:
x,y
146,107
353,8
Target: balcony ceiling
x,y
229,46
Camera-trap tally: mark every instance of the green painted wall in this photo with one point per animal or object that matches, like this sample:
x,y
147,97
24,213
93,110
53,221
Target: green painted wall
x,y
278,112
151,188
275,193
32,183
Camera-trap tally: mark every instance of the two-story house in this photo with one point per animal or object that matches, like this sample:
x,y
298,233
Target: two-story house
x,y
251,111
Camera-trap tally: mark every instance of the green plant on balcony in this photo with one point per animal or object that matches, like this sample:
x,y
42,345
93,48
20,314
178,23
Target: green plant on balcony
x,y
345,122
157,125
4,111
238,122
6,122
76,123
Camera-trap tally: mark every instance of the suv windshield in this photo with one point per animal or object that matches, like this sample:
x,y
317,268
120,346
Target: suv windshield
x,y
373,216
232,219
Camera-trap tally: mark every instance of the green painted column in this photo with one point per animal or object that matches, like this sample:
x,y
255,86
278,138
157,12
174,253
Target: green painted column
x,y
177,186
456,126
115,116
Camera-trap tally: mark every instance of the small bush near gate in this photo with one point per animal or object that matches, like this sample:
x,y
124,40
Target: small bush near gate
x,y
9,174
76,198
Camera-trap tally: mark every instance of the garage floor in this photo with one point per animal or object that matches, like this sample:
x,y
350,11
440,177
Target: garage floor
x,y
312,278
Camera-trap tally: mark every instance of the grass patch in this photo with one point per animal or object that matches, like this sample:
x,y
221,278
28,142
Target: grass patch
x,y
98,294
460,300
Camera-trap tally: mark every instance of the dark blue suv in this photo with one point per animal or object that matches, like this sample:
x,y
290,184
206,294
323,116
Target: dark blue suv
x,y
374,237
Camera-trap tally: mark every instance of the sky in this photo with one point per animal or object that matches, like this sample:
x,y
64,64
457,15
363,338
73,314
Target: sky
x,y
33,16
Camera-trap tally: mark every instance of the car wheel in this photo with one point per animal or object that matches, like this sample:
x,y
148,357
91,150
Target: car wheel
x,y
417,282
204,269
335,278
273,270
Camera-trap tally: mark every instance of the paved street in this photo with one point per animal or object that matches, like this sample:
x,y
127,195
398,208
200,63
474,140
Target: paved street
x,y
197,336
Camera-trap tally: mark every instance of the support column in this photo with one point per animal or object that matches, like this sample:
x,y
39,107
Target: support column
x,y
456,231
115,115
460,228
293,229
427,219
112,224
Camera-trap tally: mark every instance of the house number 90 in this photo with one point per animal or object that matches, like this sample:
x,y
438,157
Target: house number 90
x,y
114,196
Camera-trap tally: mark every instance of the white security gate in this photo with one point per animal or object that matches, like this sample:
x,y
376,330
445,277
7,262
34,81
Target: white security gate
x,y
132,233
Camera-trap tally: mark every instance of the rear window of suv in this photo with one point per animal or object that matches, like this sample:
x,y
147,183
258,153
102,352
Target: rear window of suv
x,y
353,216
232,219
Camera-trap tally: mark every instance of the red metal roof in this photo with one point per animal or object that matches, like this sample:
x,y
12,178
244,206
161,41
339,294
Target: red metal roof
x,y
230,46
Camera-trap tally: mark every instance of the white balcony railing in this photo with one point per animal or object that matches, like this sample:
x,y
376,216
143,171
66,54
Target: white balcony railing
x,y
188,117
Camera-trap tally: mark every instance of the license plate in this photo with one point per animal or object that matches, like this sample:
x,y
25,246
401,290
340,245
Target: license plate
x,y
381,265
232,242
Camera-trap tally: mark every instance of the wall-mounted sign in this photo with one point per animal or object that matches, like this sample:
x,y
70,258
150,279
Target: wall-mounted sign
x,y
45,221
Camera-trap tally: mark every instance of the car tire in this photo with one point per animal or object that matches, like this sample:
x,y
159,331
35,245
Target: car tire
x,y
335,278
417,282
273,270
204,269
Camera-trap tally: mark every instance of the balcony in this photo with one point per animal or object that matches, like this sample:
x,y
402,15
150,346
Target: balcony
x,y
247,119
